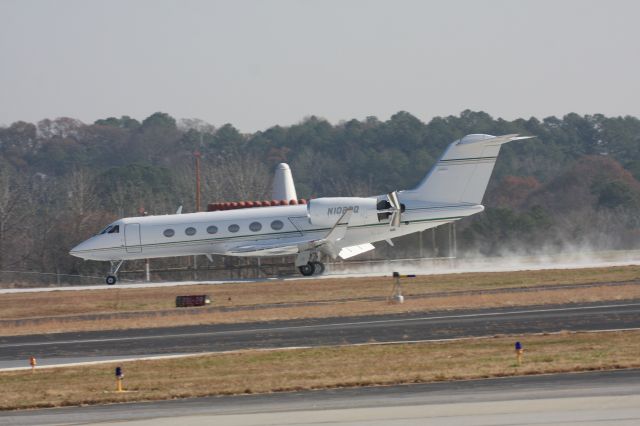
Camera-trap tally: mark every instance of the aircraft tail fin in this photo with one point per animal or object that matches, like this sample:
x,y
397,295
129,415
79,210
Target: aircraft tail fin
x,y
462,173
283,186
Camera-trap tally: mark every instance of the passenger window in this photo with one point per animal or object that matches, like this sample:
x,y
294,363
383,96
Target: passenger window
x,y
169,233
115,229
234,228
255,226
277,225
212,229
190,231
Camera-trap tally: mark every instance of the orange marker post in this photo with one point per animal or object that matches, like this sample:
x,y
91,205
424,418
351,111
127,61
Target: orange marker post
x,y
33,363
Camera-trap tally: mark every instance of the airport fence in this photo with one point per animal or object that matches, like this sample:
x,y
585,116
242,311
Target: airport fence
x,y
221,269
21,279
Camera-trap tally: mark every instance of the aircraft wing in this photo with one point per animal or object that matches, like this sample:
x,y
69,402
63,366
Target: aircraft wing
x,y
298,244
275,248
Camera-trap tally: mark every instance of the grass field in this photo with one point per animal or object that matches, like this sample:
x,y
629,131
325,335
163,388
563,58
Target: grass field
x,y
324,367
154,307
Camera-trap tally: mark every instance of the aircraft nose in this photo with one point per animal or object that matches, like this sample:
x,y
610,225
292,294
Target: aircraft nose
x,y
78,250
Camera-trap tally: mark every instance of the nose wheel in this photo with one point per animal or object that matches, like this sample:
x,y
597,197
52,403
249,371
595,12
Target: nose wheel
x,y
112,278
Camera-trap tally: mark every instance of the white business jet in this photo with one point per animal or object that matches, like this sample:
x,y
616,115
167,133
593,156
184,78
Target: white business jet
x,y
332,226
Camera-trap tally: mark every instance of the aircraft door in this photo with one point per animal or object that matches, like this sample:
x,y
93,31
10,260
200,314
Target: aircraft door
x,y
132,238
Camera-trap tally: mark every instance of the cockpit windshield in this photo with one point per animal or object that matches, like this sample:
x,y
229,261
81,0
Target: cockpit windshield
x,y
111,229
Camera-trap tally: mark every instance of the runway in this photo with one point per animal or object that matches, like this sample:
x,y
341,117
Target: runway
x,y
87,346
420,266
582,398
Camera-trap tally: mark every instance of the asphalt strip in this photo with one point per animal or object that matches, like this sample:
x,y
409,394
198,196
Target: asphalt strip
x,y
290,348
319,326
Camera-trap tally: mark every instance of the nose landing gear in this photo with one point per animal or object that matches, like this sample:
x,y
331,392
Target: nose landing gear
x,y
112,278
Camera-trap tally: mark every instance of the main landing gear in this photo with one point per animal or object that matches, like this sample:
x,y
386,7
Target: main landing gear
x,y
312,268
112,278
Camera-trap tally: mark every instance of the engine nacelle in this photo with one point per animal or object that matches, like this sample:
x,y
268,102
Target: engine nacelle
x,y
327,211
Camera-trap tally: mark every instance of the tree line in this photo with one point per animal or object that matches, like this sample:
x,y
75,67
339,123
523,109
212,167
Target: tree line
x,y
575,184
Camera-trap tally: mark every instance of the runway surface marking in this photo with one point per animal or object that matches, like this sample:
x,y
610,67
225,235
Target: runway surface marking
x,y
319,326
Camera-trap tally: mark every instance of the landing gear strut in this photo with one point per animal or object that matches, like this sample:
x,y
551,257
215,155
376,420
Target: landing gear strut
x,y
112,278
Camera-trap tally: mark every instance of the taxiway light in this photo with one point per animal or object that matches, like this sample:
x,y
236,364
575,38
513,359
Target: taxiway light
x,y
519,352
119,377
33,363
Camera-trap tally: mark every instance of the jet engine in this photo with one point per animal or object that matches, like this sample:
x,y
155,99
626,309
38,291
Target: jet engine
x,y
327,211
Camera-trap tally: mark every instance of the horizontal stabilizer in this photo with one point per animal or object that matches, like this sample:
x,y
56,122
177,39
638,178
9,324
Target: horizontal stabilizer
x,y
348,252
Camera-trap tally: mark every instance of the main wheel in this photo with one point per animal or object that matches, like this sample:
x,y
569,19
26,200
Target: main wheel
x,y
318,268
307,270
111,279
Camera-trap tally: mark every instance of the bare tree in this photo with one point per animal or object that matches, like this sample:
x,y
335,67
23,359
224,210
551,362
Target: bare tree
x,y
243,178
81,199
13,191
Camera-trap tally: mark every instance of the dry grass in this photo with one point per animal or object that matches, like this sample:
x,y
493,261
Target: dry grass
x,y
257,372
195,316
21,305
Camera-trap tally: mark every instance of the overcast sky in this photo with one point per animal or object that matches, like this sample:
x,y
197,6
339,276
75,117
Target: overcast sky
x,y
256,64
